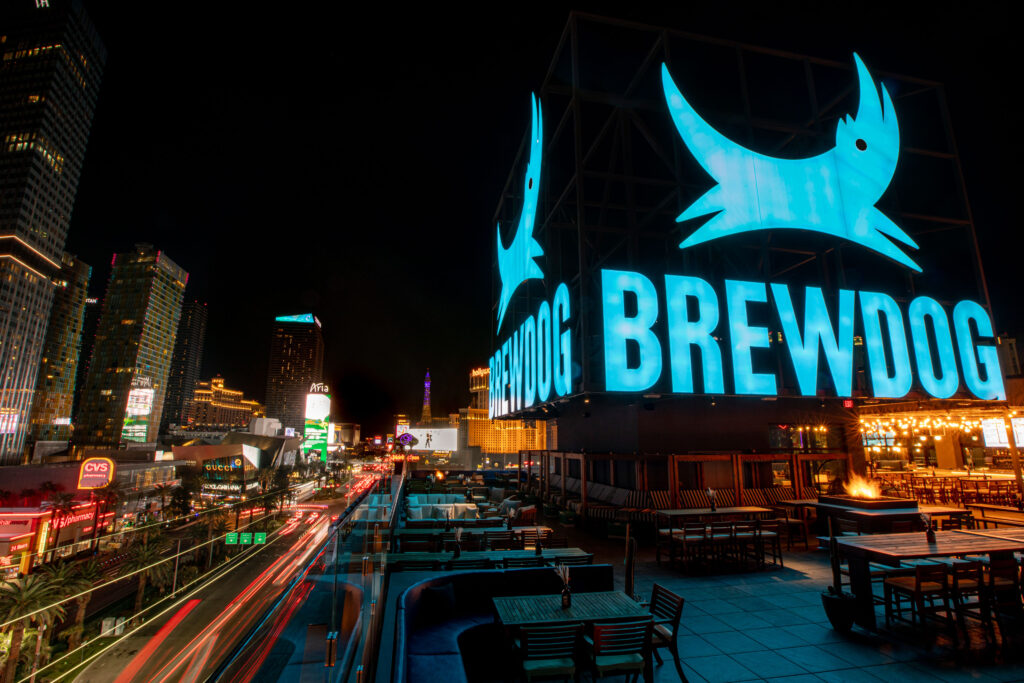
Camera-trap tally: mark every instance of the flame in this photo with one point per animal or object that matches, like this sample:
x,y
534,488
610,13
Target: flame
x,y
859,487
439,474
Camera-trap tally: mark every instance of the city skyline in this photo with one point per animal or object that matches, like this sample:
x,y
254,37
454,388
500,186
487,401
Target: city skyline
x,y
375,375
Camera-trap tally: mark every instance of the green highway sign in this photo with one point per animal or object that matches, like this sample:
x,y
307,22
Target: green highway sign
x,y
246,538
261,537
231,539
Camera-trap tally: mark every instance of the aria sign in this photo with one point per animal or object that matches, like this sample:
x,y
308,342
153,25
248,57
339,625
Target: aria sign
x,y
682,336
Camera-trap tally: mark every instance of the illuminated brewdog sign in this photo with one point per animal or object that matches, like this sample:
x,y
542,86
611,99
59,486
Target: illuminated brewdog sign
x,y
533,365
833,193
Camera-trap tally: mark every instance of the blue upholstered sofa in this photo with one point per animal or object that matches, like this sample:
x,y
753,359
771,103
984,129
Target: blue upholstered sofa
x,y
432,614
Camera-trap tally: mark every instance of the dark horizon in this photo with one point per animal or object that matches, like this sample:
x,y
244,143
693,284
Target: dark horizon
x,y
299,163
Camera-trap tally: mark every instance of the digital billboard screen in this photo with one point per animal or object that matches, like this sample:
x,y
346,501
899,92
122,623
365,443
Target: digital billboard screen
x,y
137,410
318,416
444,439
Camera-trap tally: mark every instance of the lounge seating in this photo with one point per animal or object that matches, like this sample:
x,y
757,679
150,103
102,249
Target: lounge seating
x,y
432,614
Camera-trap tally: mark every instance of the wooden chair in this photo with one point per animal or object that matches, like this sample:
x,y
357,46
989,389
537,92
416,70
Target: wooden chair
x,y
417,545
791,525
667,609
418,566
695,542
517,562
498,540
965,583
556,542
621,647
549,651
574,560
1001,590
928,584
471,564
768,540
720,540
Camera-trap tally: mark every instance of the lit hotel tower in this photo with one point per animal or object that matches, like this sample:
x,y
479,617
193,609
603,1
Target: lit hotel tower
x,y
425,417
51,62
124,391
296,362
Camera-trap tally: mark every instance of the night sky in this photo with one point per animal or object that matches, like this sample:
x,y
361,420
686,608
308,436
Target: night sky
x,y
350,163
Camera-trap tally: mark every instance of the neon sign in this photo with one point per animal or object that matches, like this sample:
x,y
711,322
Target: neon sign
x,y
832,193
95,473
536,361
516,264
885,337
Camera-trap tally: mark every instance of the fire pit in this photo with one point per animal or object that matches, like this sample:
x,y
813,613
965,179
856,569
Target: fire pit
x,y
878,503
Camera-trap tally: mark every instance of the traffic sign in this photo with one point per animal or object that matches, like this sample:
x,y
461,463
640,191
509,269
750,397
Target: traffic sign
x,y
245,538
261,537
231,539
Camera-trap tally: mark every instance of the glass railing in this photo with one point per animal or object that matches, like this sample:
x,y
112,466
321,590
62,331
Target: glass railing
x,y
333,607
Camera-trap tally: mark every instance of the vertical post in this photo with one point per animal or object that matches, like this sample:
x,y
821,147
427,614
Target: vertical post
x,y
673,480
1015,460
519,471
583,484
174,581
565,473
737,479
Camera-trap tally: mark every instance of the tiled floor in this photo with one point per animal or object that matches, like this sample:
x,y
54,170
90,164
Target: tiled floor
x,y
770,626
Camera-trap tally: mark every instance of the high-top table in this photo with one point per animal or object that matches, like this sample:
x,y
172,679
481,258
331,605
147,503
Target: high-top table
x,y
892,549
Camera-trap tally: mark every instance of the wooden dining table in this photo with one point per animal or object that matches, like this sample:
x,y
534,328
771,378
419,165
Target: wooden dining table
x,y
493,555
892,549
532,610
738,510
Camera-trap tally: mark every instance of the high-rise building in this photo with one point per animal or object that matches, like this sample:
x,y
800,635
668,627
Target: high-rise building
x,y
123,397
214,406
55,387
296,362
425,415
90,323
51,63
498,441
186,363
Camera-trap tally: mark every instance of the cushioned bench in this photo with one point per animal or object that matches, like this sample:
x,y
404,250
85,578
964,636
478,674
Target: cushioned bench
x,y
432,614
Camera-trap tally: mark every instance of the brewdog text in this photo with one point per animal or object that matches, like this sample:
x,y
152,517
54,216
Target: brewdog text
x,y
534,364
947,347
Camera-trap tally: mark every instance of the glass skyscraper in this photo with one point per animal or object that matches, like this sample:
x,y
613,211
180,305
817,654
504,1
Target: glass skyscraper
x,y
296,362
51,63
123,397
55,388
186,362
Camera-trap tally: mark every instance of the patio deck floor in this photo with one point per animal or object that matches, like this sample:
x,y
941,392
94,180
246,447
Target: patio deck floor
x,y
770,626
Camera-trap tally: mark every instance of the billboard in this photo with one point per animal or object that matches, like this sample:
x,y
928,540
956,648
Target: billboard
x,y
138,409
318,415
712,321
95,473
444,439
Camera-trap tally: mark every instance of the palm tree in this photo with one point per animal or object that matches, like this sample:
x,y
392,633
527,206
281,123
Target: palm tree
x,y
27,495
162,490
145,559
181,501
6,497
64,580
61,506
88,574
20,597
108,497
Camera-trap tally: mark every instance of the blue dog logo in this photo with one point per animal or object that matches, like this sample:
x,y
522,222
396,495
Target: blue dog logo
x,y
833,193
516,264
